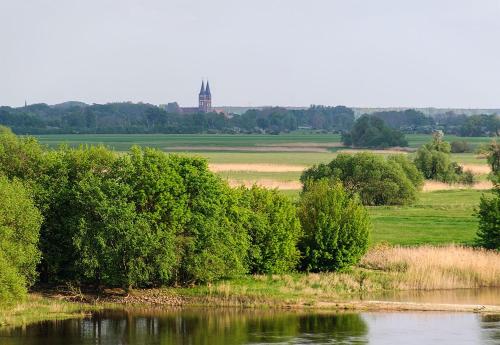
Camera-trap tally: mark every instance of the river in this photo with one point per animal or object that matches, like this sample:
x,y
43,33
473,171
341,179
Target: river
x,y
237,326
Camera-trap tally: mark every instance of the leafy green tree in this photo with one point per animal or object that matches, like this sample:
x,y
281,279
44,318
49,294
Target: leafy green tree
x,y
489,207
434,161
371,131
460,146
212,241
411,171
489,221
377,180
19,232
274,229
336,227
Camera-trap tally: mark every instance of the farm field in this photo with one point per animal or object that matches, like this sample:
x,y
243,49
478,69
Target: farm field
x,y
276,161
122,142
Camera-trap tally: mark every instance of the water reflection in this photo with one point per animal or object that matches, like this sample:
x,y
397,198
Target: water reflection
x,y
483,296
214,327
195,327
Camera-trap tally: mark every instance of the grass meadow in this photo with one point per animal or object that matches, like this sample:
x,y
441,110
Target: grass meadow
x,y
122,142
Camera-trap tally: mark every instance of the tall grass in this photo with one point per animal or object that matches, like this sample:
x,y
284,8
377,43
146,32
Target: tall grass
x,y
37,308
427,267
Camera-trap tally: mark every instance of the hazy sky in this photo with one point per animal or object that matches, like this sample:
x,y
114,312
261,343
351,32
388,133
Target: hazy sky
x,y
257,52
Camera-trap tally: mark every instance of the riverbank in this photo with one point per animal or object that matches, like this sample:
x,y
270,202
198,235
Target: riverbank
x,y
37,307
382,269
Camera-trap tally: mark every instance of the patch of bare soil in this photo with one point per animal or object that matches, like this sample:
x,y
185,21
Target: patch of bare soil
x,y
431,186
216,167
272,184
477,169
248,148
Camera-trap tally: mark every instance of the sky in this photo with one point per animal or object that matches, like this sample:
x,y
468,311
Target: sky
x,y
384,53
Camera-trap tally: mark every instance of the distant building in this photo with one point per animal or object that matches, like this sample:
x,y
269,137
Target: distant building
x,y
204,103
205,98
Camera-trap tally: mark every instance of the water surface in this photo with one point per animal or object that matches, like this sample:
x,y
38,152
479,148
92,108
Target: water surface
x,y
229,326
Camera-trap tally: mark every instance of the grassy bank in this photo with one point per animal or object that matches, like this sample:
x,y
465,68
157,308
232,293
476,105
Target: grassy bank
x,y
38,308
384,268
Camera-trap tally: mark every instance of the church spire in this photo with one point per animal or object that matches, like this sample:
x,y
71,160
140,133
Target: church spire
x,y
202,90
207,90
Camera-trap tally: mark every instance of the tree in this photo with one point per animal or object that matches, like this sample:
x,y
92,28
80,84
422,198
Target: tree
x,y
489,207
489,221
434,161
274,229
20,223
371,131
336,227
377,180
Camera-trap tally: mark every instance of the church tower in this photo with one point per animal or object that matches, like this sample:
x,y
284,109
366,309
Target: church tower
x,y
205,98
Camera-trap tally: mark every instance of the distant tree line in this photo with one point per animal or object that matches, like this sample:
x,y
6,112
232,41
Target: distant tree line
x,y
76,117
146,118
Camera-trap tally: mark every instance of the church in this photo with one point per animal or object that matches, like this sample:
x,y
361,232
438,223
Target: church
x,y
204,103
205,98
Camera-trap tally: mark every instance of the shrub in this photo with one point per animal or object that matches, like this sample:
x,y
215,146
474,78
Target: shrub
x,y
19,231
489,221
377,180
336,227
460,147
434,161
142,219
371,131
274,229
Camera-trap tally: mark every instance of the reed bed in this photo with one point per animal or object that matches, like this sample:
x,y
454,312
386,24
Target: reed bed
x,y
428,268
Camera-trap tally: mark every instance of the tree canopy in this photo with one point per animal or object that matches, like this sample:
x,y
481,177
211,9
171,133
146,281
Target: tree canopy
x,y
371,131
336,227
377,180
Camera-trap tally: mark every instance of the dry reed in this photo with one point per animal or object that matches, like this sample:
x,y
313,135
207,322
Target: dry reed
x,y
427,267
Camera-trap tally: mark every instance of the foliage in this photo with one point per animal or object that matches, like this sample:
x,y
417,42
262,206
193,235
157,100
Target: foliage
x,y
492,152
461,146
19,231
73,117
371,131
409,121
489,221
336,227
141,219
478,125
377,180
434,161
274,229
489,207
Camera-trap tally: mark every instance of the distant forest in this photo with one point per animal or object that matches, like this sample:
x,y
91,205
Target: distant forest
x,y
76,117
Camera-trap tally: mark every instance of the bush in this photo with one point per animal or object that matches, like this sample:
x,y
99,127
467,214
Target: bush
x,y
336,227
434,161
371,131
460,147
489,222
142,219
19,231
377,180
274,229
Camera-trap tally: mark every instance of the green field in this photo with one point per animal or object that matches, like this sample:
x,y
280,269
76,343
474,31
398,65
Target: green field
x,y
122,142
440,217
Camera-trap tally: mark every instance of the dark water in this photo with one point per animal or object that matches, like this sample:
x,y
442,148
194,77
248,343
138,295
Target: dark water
x,y
194,327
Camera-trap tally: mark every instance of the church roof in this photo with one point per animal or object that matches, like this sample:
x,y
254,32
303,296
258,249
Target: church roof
x,y
207,90
202,90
